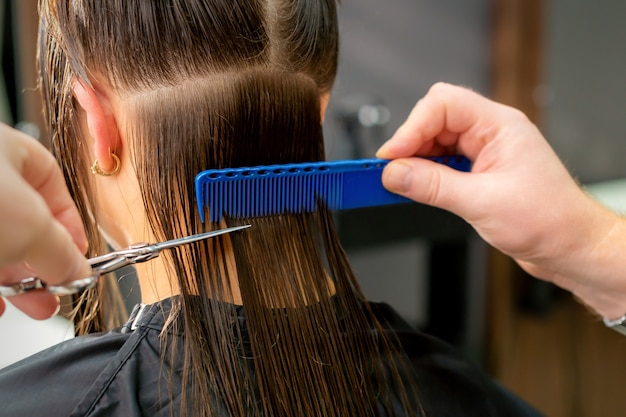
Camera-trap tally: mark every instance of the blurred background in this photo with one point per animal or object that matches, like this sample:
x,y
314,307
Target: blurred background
x,y
560,61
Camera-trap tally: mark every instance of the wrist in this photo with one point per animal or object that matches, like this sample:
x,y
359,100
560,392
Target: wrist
x,y
595,271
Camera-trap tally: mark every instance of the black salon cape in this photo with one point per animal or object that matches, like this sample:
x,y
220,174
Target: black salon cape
x,y
119,374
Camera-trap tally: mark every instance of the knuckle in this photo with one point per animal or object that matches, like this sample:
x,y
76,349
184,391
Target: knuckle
x,y
438,89
518,115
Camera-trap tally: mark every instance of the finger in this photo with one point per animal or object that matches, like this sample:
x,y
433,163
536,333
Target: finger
x,y
54,256
42,173
14,273
38,304
36,236
60,204
431,183
445,113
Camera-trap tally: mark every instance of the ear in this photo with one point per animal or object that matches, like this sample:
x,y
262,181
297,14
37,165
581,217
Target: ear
x,y
101,123
324,99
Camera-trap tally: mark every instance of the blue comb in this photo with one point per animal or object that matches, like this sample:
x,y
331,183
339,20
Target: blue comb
x,y
294,188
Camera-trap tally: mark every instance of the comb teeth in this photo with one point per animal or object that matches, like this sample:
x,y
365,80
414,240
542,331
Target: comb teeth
x,y
266,191
294,188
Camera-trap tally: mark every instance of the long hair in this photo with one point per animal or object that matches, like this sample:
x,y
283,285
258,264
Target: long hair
x,y
227,83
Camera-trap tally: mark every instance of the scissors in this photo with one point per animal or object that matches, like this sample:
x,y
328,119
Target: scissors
x,y
103,264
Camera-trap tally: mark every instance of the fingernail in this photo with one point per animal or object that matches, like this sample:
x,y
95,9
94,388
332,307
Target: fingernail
x,y
397,177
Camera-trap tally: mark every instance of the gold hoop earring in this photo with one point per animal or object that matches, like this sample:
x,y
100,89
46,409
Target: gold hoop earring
x,y
96,170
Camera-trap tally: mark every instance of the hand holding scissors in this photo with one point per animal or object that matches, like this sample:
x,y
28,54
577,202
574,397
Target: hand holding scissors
x,y
39,223
110,262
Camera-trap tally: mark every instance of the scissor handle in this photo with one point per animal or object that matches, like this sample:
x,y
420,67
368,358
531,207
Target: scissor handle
x,y
110,262
22,287
74,287
33,283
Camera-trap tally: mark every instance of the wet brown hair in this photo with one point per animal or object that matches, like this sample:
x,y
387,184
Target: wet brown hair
x,y
227,83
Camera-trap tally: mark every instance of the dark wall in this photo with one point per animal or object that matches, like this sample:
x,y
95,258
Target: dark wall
x,y
585,94
391,52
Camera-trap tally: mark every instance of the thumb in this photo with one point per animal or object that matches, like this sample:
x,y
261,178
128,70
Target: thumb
x,y
54,255
430,183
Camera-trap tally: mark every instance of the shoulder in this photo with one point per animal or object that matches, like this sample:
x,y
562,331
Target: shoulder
x,y
448,383
114,373
53,381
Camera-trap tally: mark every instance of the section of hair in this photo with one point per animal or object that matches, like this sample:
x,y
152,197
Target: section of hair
x,y
60,112
311,346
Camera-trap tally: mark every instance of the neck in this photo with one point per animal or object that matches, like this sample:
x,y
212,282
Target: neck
x,y
157,280
156,284
153,281
153,277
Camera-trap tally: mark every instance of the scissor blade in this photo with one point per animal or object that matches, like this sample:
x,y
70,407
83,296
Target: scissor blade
x,y
194,238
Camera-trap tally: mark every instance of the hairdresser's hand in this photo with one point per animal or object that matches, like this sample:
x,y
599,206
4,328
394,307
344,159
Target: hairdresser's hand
x,y
519,196
41,231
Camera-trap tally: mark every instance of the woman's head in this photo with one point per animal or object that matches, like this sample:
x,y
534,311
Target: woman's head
x,y
175,87
115,72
